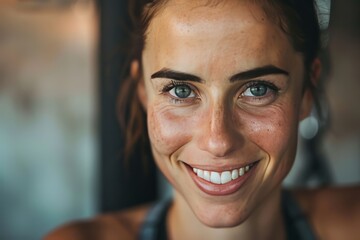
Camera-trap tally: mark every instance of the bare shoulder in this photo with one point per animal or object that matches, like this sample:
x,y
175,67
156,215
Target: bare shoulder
x,y
118,225
334,212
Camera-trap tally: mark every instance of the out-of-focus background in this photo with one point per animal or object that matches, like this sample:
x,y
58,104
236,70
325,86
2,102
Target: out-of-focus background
x,y
48,108
51,139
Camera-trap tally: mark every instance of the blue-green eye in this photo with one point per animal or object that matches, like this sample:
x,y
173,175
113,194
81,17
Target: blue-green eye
x,y
182,91
259,93
258,90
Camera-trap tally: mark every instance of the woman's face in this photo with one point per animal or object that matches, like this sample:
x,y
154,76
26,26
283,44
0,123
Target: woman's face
x,y
223,91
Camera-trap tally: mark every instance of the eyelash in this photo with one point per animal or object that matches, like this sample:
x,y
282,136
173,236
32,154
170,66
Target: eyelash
x,y
274,91
262,82
258,100
167,88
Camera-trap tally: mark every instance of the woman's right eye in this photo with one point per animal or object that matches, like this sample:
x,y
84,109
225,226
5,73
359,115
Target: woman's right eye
x,y
182,91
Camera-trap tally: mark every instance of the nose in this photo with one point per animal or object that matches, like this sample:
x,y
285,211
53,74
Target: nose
x,y
220,135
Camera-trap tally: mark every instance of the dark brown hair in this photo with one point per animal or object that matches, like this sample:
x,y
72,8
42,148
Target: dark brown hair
x,y
297,18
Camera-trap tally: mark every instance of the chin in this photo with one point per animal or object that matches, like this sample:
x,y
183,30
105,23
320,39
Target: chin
x,y
221,222
222,218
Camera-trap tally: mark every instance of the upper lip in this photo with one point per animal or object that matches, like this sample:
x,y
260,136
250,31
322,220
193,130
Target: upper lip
x,y
221,168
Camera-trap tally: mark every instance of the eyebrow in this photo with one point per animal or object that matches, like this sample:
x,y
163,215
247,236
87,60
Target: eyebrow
x,y
248,74
175,75
258,72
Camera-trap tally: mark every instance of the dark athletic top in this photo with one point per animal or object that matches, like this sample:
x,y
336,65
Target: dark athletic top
x,y
296,224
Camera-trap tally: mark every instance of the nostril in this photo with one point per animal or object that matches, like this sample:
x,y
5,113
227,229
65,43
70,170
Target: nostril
x,y
220,144
219,135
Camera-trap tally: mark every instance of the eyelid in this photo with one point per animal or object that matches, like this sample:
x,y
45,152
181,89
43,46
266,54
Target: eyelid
x,y
268,98
173,84
170,86
269,84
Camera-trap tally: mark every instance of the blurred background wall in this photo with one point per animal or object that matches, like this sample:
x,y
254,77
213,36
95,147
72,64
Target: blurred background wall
x,y
338,146
49,112
48,106
342,141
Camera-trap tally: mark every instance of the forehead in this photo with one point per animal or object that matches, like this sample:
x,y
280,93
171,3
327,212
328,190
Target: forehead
x,y
227,32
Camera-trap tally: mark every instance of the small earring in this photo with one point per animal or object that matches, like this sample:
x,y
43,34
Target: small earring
x,y
309,127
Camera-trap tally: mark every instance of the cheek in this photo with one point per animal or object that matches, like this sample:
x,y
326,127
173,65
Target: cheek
x,y
272,133
275,133
167,130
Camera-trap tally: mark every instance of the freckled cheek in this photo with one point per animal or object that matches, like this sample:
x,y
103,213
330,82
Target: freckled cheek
x,y
275,134
168,131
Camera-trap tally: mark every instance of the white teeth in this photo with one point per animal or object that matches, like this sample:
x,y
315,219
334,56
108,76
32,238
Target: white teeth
x,y
207,175
222,177
234,174
225,177
241,171
215,177
200,173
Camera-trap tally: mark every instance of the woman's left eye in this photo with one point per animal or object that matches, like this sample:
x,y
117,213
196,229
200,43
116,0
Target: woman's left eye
x,y
259,93
258,90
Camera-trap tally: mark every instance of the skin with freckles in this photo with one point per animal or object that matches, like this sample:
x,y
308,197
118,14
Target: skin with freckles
x,y
222,125
223,88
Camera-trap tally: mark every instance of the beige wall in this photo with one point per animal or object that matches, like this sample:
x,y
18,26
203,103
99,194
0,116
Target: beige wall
x,y
48,145
342,143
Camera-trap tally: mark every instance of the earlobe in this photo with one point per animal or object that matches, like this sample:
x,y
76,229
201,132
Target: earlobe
x,y
140,87
306,104
308,96
315,72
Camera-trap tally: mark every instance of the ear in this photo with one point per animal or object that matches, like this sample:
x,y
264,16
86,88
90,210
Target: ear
x,y
135,73
308,98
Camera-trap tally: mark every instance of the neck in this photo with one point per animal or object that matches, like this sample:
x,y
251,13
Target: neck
x,y
266,222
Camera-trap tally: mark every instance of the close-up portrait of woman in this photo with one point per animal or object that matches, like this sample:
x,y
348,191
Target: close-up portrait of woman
x,y
215,92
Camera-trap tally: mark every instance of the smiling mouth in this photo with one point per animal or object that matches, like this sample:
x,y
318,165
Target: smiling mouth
x,y
221,183
223,177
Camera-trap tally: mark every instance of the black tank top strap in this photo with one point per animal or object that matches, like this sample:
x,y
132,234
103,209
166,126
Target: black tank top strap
x,y
154,226
297,226
296,223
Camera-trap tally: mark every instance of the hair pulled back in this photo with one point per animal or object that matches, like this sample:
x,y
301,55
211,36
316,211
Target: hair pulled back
x,y
298,19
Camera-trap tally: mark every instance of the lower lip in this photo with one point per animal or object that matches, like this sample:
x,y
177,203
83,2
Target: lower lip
x,y
220,189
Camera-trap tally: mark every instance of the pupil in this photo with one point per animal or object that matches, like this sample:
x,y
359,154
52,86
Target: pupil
x,y
182,91
258,91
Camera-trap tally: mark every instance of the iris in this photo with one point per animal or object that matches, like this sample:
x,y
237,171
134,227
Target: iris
x,y
182,91
258,90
